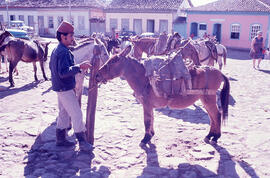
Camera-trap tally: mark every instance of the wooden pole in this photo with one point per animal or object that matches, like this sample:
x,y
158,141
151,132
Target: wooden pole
x,y
92,99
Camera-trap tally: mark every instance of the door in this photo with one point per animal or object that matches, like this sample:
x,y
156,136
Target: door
x,y
137,26
125,24
41,29
163,26
217,32
194,29
151,26
202,30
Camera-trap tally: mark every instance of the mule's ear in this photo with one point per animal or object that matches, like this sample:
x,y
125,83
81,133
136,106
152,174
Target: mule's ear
x,y
97,41
125,51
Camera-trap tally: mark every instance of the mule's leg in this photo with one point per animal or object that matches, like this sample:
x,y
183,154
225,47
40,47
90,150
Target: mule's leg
x,y
148,123
35,71
41,63
209,102
12,66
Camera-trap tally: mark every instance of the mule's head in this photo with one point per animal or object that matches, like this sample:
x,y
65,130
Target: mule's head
x,y
4,35
113,67
104,55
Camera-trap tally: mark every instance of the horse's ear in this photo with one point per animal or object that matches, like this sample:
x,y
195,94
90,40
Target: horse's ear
x,y
125,51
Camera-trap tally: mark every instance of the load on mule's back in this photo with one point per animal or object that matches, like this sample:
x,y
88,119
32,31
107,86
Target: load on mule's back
x,y
168,75
25,50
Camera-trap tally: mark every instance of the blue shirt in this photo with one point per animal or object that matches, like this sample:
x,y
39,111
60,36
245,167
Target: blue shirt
x,y
62,68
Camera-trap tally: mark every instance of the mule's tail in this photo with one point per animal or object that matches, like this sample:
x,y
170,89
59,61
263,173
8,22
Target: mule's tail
x,y
224,55
2,48
224,97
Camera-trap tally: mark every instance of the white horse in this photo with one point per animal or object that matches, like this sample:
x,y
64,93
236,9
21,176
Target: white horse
x,y
85,51
206,56
222,53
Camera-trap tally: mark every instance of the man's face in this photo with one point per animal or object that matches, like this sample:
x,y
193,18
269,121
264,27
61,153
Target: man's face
x,y
68,40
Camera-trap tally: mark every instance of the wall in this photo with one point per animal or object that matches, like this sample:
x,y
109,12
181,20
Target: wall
x,y
143,16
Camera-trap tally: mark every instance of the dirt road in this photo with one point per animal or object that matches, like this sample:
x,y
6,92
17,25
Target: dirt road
x,y
27,131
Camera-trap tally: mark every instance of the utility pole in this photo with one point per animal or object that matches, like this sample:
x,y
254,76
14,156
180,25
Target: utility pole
x,y
7,13
69,8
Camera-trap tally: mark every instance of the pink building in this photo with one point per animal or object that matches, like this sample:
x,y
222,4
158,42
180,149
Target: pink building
x,y
233,22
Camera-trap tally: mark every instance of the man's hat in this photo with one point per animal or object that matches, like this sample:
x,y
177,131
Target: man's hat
x,y
65,27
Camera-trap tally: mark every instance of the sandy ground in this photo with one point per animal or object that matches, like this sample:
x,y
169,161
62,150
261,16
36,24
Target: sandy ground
x,y
27,131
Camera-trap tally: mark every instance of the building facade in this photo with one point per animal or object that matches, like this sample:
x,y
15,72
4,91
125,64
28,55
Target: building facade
x,y
87,16
233,22
145,16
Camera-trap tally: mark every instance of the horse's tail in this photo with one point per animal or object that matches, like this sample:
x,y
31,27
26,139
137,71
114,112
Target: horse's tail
x,y
224,97
224,55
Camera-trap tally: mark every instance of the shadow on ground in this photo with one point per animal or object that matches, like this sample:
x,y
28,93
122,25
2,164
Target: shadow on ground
x,y
238,54
226,166
45,159
11,91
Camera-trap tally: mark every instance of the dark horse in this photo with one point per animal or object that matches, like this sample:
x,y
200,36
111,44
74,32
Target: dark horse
x,y
113,43
24,50
202,78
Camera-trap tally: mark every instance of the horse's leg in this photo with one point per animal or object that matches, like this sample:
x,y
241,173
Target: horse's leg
x,y
209,102
35,71
79,87
219,62
148,123
41,63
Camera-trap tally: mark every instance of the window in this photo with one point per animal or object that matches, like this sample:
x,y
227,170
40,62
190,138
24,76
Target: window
x,y
235,31
31,21
113,24
21,17
59,19
81,22
254,29
12,17
202,27
50,22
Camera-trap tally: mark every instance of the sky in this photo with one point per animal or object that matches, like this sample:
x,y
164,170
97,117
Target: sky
x,y
201,2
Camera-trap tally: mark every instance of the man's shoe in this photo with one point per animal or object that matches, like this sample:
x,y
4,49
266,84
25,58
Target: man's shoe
x,y
83,144
61,138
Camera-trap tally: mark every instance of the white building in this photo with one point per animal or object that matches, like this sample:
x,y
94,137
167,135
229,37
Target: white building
x,y
86,15
145,16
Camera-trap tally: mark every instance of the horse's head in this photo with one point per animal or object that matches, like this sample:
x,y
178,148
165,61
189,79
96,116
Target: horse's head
x,y
113,67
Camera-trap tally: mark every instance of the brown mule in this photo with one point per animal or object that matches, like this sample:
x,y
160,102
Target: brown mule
x,y
26,51
202,79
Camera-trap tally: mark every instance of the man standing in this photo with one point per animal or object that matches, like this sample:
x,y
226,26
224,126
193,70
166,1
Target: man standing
x,y
63,73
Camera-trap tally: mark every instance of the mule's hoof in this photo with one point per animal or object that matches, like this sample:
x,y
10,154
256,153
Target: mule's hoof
x,y
213,142
206,140
146,138
142,145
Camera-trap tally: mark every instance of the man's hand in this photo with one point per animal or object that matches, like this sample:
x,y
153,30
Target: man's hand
x,y
85,65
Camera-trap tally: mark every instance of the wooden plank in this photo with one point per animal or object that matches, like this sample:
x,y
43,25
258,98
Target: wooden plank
x,y
92,100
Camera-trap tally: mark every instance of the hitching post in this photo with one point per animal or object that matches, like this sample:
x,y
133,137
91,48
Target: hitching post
x,y
92,97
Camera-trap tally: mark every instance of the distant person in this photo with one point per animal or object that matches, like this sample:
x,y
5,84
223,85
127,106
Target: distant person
x,y
256,51
63,73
